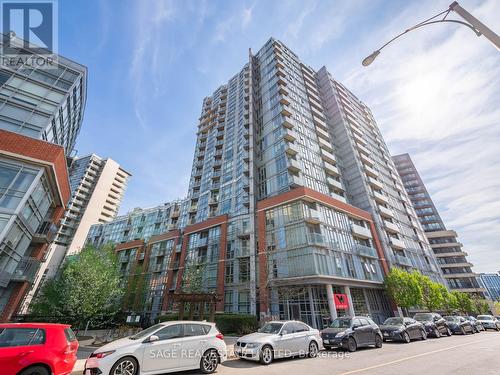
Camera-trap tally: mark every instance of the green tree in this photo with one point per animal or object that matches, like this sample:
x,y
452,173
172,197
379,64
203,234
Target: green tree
x,y
480,306
432,296
192,279
464,302
87,289
450,303
403,288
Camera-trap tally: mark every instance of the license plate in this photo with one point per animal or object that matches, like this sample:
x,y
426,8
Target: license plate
x,y
326,341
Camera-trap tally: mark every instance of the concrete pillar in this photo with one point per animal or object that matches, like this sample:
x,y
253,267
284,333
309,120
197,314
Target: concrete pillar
x,y
331,302
311,304
347,291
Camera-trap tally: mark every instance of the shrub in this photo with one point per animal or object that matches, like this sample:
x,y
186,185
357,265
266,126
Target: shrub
x,y
239,324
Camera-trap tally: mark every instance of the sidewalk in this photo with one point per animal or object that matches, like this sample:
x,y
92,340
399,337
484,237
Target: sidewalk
x,y
85,351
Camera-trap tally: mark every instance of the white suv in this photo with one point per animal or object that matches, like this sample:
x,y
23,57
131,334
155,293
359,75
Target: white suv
x,y
162,348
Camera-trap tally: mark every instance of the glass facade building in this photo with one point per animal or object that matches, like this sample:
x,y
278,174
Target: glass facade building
x,y
42,103
451,257
491,282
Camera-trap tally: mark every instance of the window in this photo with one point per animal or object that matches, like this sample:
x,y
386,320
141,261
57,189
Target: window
x,y
196,329
287,328
70,335
170,332
299,327
21,337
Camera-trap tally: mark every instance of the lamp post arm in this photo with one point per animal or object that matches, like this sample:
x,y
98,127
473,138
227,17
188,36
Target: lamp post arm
x,y
478,25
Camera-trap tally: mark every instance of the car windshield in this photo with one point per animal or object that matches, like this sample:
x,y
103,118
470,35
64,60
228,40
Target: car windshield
x,y
423,317
146,332
393,322
450,318
485,317
341,323
271,328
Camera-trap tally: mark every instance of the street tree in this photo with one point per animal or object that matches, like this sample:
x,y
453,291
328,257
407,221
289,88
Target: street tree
x,y
86,290
450,302
403,288
432,296
464,302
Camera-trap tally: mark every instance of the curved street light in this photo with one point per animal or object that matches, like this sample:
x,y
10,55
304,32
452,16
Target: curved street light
x,y
475,25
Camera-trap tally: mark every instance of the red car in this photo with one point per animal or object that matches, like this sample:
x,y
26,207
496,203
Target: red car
x,y
37,349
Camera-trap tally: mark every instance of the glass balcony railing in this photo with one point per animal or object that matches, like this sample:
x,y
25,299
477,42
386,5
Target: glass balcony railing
x,y
26,270
366,251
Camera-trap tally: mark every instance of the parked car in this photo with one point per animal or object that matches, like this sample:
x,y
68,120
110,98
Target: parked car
x,y
478,327
459,325
165,347
434,324
37,349
279,339
351,333
489,322
402,329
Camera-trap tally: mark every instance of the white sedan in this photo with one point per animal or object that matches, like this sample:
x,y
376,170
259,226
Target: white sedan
x,y
279,339
162,348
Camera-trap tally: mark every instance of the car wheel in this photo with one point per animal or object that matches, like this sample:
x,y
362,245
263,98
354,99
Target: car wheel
x,y
423,335
437,333
35,370
209,361
448,332
125,366
406,337
378,341
313,349
266,355
351,344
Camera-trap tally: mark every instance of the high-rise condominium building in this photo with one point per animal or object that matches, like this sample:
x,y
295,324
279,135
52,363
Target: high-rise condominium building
x,y
40,116
452,259
42,103
97,187
287,204
491,282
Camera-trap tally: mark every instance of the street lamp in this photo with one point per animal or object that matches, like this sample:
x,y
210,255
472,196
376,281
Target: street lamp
x,y
474,24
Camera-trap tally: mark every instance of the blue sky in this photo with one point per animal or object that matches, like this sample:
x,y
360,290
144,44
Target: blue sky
x,y
435,93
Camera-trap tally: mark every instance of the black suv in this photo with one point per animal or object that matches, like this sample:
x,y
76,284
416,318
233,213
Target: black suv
x,y
434,324
351,333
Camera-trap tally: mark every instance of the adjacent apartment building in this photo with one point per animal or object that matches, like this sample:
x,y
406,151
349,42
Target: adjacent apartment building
x,y
449,252
491,282
293,198
97,188
40,116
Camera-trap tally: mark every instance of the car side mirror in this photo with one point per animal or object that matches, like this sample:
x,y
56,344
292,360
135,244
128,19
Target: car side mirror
x,y
153,338
284,332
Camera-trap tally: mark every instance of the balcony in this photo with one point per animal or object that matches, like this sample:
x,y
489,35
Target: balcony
x,y
26,270
289,135
365,251
294,180
294,166
385,212
193,208
366,160
359,140
338,197
362,149
380,198
286,123
396,243
325,155
171,226
325,145
403,260
286,110
371,172
315,239
360,231
375,183
45,232
391,227
331,169
323,134
336,185
291,149
312,216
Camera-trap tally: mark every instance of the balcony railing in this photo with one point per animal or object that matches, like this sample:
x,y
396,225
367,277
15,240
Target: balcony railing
x,y
365,251
403,260
26,270
45,232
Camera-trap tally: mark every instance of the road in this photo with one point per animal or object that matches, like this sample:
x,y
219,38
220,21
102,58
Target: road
x,y
455,355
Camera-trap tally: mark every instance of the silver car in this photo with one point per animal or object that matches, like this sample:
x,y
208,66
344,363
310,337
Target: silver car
x,y
489,322
279,339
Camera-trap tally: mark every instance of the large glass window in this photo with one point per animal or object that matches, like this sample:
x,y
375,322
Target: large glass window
x,y
15,181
